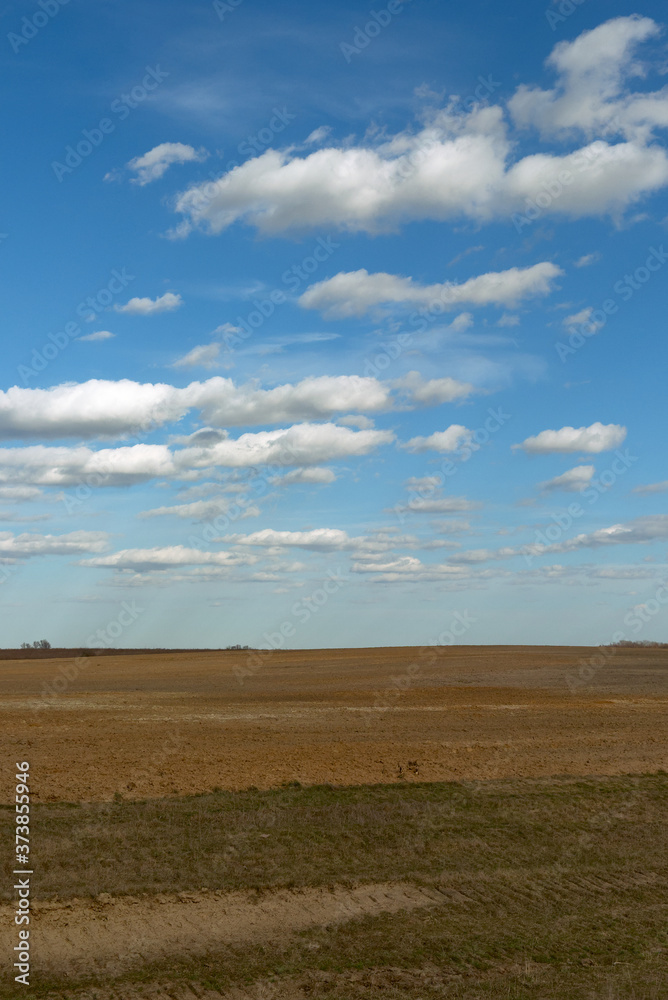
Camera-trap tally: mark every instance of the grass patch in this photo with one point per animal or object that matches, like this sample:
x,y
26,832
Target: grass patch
x,y
551,906
322,835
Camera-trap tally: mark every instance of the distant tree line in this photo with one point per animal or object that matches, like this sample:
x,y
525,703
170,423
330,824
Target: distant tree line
x,y
38,644
644,643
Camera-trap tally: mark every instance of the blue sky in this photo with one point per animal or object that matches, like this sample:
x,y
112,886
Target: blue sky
x,y
343,321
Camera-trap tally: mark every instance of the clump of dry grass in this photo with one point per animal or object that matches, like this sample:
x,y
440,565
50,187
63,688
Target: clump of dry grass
x,y
558,886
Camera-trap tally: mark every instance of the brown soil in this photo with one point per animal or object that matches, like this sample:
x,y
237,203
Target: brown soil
x,y
146,726
111,936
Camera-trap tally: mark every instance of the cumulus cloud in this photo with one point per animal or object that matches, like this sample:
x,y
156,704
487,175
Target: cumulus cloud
x,y
423,482
207,510
299,445
73,543
101,408
202,356
98,335
570,482
508,319
149,307
354,293
315,475
410,569
641,531
20,493
588,259
433,392
593,439
651,488
582,319
590,96
356,420
313,398
167,557
45,466
448,440
463,164
152,165
316,540
440,505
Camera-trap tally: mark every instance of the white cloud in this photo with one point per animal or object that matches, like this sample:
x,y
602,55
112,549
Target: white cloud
x,y
202,356
314,397
20,493
571,482
590,94
588,259
73,543
410,569
448,440
316,540
582,320
433,392
166,557
440,505
152,165
318,135
508,319
354,293
89,409
356,420
206,510
423,482
100,408
652,488
641,531
462,322
314,475
98,335
461,164
149,307
453,526
593,439
44,466
299,445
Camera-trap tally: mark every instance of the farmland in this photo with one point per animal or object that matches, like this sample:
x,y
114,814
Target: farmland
x,y
343,823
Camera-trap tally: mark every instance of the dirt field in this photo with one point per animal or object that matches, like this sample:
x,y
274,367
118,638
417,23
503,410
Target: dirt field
x,y
217,826
147,726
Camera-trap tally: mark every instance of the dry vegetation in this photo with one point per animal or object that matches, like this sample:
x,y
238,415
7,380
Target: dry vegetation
x,y
378,875
555,889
